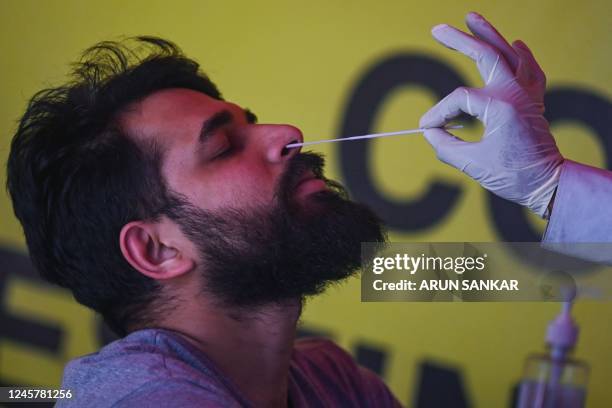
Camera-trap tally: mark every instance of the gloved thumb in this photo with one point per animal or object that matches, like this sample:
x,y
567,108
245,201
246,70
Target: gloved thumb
x,y
447,146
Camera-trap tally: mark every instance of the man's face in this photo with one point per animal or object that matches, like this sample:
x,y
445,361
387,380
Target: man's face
x,y
213,152
266,225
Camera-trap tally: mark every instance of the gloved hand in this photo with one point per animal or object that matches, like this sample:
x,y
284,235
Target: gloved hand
x,y
517,157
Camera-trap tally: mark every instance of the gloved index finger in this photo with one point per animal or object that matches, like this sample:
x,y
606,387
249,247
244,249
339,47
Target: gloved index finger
x,y
491,65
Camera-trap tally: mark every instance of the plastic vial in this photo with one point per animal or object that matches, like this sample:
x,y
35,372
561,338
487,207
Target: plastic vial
x,y
549,383
555,380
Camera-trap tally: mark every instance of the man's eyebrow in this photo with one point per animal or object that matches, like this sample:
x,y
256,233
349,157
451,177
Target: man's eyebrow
x,y
213,123
220,119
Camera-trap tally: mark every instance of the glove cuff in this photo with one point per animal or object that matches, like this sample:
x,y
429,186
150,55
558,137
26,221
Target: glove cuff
x,y
540,198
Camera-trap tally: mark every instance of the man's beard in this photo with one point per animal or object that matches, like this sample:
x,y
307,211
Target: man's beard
x,y
272,255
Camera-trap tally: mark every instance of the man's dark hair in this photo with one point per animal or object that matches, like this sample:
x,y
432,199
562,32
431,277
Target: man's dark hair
x,y
75,177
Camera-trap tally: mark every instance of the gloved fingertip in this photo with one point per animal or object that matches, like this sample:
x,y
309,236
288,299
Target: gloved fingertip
x,y
518,44
435,137
439,27
474,16
425,122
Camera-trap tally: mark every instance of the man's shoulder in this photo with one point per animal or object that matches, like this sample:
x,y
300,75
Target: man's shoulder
x,y
147,352
144,360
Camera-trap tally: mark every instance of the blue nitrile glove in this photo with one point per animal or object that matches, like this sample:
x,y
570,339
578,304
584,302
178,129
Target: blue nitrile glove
x,y
517,157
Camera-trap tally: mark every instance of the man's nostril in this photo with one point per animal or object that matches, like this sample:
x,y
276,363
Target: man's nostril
x,y
286,149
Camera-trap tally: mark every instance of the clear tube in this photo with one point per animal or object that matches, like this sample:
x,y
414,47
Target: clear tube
x,y
553,383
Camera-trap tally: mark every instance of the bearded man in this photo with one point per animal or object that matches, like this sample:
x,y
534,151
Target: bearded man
x,y
192,230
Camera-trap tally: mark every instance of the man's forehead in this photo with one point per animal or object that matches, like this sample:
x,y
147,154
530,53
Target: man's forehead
x,y
174,113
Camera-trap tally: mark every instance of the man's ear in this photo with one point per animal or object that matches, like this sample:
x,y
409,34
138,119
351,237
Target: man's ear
x,y
151,253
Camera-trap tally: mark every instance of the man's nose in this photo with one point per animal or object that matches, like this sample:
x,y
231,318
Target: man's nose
x,y
276,138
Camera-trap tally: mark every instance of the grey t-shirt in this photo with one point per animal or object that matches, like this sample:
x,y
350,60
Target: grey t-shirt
x,y
158,368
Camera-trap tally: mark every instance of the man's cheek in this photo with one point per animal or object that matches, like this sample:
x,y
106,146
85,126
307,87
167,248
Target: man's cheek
x,y
245,191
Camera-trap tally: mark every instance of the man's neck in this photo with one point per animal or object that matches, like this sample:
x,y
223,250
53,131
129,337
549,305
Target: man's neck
x,y
253,349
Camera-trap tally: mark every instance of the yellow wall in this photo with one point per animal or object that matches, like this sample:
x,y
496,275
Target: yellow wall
x,y
297,62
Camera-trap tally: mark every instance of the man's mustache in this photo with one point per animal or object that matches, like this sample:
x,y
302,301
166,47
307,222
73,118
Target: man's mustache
x,y
297,166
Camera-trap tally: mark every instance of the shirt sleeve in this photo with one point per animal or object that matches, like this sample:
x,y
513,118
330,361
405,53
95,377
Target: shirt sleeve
x,y
581,221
